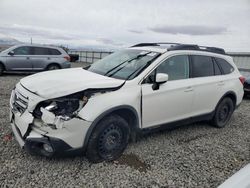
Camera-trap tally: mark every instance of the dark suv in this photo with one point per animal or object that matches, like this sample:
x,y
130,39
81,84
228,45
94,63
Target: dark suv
x,y
33,58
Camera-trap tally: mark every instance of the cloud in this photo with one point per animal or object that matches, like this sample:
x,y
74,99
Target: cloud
x,y
135,31
190,30
33,31
106,41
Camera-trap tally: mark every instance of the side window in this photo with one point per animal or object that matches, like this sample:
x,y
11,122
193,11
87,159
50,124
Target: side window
x,y
176,67
24,50
226,67
54,52
40,51
217,70
202,66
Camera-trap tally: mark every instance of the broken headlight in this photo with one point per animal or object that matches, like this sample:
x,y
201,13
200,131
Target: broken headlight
x,y
67,106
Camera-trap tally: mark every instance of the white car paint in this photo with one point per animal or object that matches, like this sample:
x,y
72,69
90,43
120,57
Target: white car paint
x,y
175,100
240,179
64,82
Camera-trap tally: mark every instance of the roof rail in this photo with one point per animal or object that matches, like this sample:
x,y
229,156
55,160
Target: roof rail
x,y
154,44
179,46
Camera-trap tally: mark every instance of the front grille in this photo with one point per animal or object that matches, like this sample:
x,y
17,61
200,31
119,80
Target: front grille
x,y
20,102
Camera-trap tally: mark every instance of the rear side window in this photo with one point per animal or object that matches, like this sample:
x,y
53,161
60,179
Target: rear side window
x,y
225,66
202,66
40,51
24,50
54,52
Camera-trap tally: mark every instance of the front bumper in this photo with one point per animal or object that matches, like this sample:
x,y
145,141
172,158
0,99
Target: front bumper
x,y
34,135
34,144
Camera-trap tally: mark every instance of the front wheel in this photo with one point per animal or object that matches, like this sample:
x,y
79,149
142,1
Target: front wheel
x,y
223,113
108,140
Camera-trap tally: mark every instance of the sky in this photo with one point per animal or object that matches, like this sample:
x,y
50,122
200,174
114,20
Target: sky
x,y
118,24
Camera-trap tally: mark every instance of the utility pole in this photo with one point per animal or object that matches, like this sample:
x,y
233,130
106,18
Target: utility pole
x,y
31,40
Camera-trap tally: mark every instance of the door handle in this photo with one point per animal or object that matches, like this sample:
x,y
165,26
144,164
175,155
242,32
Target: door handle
x,y
27,57
221,83
188,89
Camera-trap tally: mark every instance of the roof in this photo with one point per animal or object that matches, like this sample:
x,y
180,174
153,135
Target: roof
x,y
36,45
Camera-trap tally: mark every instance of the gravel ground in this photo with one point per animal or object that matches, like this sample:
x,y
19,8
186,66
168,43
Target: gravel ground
x,y
191,156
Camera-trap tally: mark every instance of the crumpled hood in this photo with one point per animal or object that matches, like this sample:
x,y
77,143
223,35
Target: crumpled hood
x,y
58,83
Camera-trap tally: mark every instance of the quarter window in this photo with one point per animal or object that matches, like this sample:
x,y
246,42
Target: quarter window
x,y
202,66
176,67
54,52
226,67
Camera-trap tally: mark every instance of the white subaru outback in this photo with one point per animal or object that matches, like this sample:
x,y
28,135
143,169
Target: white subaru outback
x,y
98,109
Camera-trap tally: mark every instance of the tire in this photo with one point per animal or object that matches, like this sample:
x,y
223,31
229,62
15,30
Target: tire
x,y
1,69
108,140
223,113
53,67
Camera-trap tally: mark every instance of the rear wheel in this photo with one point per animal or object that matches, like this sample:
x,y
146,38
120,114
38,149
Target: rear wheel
x,y
1,69
223,113
108,140
53,67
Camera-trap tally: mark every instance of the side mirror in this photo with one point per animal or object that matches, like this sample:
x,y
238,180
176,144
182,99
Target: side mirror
x,y
11,53
160,79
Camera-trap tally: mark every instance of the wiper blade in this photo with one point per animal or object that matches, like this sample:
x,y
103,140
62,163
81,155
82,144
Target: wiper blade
x,y
140,69
127,61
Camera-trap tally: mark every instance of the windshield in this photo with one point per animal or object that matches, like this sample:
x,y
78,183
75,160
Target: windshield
x,y
124,64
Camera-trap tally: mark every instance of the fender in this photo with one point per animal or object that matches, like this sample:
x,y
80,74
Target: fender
x,y
104,114
231,93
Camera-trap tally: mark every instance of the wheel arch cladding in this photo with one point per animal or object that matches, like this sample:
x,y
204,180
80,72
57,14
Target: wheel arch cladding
x,y
231,95
126,112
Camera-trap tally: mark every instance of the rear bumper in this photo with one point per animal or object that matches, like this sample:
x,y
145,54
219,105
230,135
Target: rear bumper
x,y
66,65
246,91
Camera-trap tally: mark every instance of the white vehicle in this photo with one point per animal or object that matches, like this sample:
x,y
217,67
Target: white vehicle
x,y
97,110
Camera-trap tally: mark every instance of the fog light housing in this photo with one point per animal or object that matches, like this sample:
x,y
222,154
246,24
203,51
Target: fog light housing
x,y
48,148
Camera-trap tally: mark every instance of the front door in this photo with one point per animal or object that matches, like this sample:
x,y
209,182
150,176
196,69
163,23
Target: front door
x,y
173,100
20,60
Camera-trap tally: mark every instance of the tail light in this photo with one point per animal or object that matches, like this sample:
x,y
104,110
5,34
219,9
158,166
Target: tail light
x,y
242,79
67,58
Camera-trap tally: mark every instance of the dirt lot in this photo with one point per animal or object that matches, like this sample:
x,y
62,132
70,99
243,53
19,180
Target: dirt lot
x,y
197,155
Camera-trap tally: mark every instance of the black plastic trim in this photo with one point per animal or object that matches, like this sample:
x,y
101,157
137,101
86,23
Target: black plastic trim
x,y
61,148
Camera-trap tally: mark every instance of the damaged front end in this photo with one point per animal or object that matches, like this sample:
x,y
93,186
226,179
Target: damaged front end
x,y
52,127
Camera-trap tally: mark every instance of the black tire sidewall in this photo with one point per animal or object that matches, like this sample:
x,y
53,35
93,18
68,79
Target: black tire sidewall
x,y
49,67
216,121
93,153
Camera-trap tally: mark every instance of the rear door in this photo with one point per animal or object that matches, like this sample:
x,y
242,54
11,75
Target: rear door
x,y
20,60
208,84
40,58
173,100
